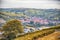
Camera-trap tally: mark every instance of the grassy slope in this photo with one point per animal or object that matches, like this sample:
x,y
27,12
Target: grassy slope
x,y
13,14
53,36
30,36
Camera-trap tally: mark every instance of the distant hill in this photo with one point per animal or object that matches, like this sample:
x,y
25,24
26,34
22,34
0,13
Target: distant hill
x,y
43,13
49,16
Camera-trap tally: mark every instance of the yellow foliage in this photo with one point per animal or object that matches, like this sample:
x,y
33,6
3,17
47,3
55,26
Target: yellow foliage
x,y
13,26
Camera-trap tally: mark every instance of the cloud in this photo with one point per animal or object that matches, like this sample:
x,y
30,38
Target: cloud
x,y
30,4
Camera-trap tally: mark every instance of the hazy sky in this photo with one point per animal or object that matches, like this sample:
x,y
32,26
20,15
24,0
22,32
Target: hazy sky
x,y
44,4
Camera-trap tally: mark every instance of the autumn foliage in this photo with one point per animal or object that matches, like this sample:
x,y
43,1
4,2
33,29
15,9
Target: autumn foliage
x,y
13,26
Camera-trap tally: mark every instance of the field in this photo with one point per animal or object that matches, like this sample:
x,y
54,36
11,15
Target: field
x,y
43,34
53,36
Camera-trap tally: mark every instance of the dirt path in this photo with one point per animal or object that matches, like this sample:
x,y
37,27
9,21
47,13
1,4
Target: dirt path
x,y
53,36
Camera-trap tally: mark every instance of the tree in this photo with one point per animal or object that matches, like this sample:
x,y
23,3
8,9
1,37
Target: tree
x,y
13,26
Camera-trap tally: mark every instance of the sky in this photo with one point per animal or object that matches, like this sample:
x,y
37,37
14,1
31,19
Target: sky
x,y
44,4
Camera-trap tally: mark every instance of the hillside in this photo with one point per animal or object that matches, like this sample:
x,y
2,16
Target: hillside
x,y
32,17
51,14
53,36
40,34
